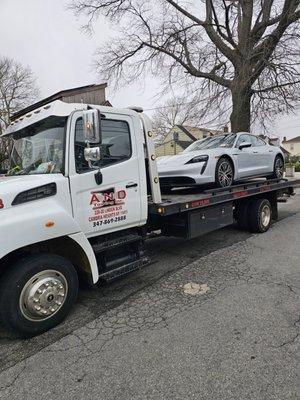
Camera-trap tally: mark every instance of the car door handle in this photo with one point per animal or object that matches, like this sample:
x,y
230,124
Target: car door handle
x,y
131,185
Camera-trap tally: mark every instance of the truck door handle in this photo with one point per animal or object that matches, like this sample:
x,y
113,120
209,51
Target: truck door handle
x,y
131,185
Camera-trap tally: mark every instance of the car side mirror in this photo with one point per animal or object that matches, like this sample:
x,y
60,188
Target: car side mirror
x,y
92,126
245,145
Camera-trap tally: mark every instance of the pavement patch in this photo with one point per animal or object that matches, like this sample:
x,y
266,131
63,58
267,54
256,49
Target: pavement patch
x,y
194,289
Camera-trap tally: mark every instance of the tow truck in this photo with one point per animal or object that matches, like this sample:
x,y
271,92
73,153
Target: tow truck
x,y
81,198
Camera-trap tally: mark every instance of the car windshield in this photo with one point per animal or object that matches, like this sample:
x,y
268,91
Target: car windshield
x,y
39,148
212,142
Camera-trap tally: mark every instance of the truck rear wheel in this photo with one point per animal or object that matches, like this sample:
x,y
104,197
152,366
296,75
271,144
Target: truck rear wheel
x,y
260,215
37,293
242,215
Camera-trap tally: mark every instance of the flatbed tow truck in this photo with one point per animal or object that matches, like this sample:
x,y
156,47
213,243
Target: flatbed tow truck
x,y
82,197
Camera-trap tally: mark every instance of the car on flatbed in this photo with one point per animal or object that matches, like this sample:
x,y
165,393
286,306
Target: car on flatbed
x,y
81,198
221,160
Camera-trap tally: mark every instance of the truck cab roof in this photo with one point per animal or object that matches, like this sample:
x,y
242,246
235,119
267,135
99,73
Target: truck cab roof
x,y
60,109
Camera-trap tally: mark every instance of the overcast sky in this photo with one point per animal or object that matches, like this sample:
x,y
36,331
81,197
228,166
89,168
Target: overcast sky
x,y
46,36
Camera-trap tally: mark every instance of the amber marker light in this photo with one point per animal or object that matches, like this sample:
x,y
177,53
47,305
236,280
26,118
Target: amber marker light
x,y
49,224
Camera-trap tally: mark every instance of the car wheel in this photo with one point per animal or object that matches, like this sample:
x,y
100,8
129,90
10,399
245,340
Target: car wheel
x,y
224,173
278,168
37,293
260,215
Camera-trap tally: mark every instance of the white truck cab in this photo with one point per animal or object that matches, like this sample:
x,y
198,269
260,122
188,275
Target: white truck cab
x,y
79,199
55,197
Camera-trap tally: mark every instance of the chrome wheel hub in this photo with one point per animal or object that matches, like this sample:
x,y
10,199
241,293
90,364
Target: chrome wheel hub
x,y
279,168
265,216
43,295
225,174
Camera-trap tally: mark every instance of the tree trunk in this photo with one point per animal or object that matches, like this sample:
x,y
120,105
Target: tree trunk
x,y
240,117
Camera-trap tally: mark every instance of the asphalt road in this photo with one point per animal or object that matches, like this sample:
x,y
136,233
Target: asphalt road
x,y
143,338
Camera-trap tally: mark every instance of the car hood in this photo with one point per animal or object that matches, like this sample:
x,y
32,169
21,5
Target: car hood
x,y
183,158
11,186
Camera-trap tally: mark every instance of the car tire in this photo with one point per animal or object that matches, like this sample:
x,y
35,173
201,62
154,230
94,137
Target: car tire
x,y
278,168
37,293
224,174
260,215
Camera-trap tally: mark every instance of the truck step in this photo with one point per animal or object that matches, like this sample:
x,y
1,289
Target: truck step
x,y
120,241
125,269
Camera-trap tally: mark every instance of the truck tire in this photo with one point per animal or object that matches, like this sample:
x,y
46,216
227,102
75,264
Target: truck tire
x,y
37,293
260,215
242,215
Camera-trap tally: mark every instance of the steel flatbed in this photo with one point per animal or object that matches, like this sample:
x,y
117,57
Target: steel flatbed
x,y
182,200
189,213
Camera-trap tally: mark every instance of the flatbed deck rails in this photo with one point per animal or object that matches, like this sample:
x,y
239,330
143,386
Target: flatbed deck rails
x,y
178,203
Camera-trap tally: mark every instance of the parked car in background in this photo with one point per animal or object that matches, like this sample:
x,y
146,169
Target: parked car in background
x,y
221,159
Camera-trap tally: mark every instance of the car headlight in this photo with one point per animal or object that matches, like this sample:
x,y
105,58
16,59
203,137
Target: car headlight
x,y
198,159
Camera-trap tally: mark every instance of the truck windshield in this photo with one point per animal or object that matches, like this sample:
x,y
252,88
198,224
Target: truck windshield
x,y
212,142
39,148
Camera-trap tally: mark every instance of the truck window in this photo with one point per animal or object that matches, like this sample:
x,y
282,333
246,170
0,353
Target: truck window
x,y
115,148
39,148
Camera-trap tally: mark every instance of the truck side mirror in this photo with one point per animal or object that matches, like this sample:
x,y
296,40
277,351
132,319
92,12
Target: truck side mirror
x,y
92,154
92,126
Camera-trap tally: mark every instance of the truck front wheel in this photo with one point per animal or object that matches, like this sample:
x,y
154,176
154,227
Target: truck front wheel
x,y
37,293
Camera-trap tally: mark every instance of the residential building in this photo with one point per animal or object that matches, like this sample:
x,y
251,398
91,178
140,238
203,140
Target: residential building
x,y
90,94
180,137
292,145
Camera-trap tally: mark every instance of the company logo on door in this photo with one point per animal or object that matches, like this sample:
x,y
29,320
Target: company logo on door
x,y
107,198
107,207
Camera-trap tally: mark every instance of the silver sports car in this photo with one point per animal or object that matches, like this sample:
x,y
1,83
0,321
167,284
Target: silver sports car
x,y
221,159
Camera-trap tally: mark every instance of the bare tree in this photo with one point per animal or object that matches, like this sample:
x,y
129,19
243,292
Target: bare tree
x,y
17,90
174,111
242,54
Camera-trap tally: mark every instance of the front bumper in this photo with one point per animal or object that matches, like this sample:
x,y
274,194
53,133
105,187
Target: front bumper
x,y
192,174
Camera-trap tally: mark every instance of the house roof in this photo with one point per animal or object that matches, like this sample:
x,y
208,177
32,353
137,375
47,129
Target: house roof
x,y
59,96
293,140
187,132
182,143
193,131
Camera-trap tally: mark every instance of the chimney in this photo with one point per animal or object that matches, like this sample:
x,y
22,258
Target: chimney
x,y
284,138
225,129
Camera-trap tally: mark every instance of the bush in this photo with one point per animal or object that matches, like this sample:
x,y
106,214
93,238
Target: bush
x,y
297,167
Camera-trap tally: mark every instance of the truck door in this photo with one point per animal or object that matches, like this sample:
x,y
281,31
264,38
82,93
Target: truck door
x,y
115,203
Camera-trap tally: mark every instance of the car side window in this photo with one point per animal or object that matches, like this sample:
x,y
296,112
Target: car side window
x,y
253,140
115,148
260,142
243,139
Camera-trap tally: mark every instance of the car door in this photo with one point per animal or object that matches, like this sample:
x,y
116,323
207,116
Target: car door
x,y
113,204
262,154
244,158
